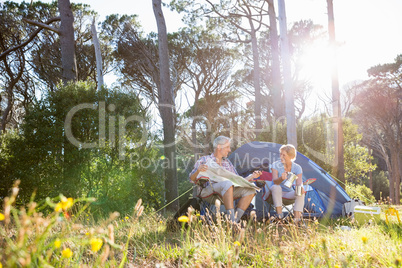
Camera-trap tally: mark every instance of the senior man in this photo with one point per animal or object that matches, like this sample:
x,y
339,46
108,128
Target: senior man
x,y
226,189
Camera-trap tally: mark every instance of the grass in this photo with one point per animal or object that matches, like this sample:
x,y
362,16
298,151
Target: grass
x,y
69,237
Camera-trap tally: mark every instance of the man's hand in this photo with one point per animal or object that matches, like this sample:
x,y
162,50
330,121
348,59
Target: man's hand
x,y
257,174
202,168
254,175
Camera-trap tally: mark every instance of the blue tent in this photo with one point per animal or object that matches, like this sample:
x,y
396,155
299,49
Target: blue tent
x,y
323,196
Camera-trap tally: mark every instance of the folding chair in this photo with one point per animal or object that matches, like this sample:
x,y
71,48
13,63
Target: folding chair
x,y
205,206
287,204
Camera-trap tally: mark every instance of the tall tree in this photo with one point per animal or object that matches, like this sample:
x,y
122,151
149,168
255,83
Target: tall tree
x,y
208,71
167,108
98,55
237,22
29,45
379,115
46,60
253,13
275,74
339,165
287,76
17,86
67,41
302,35
12,73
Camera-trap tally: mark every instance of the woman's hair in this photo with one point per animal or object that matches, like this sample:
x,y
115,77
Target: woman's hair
x,y
290,150
221,140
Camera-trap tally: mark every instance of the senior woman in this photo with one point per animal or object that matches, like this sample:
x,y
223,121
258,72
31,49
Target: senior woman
x,y
279,176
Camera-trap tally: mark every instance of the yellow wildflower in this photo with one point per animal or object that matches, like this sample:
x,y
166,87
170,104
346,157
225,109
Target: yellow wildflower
x,y
87,234
126,218
96,244
183,219
342,247
163,157
364,239
312,246
58,207
67,253
57,243
198,214
64,204
2,217
67,203
237,243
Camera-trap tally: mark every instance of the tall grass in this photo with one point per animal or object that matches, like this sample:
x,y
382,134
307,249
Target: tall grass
x,y
67,236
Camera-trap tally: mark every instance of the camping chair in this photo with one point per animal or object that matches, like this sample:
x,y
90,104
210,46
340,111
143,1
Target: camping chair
x,y
287,204
205,206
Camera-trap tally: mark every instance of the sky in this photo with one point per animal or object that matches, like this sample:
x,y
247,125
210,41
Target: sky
x,y
369,32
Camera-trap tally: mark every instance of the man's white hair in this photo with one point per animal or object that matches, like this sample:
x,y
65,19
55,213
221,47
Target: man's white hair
x,y
221,140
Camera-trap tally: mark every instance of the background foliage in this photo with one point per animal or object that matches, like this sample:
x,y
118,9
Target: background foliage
x,y
43,158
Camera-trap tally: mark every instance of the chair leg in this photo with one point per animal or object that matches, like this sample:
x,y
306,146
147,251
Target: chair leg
x,y
284,209
290,211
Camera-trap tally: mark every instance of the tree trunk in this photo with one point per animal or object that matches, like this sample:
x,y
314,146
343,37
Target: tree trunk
x,y
67,42
13,80
287,76
383,151
338,165
194,125
7,110
276,65
391,180
256,80
166,109
397,156
98,55
370,171
396,175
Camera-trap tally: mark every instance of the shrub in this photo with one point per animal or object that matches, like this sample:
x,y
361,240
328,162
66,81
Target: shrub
x,y
360,191
115,169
